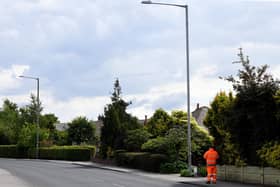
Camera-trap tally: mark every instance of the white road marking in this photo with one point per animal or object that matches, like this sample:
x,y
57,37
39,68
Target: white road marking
x,y
118,185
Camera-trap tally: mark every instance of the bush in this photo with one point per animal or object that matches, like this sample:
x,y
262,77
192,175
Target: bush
x,y
156,145
174,167
140,160
13,151
185,173
270,154
201,171
73,153
135,138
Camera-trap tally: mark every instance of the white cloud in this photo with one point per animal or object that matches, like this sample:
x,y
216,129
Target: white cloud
x,y
67,110
8,77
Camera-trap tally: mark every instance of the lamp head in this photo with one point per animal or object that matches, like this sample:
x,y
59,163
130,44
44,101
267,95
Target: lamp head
x,y
147,2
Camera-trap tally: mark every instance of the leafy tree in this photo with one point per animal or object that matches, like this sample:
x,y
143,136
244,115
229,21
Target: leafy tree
x,y
48,121
135,139
29,113
9,122
159,123
174,141
217,121
277,100
81,130
116,122
28,136
253,121
269,154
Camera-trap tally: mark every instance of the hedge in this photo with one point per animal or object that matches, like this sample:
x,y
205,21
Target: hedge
x,y
72,153
12,151
140,160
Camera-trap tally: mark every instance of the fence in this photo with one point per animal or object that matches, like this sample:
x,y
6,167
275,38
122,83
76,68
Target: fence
x,y
250,174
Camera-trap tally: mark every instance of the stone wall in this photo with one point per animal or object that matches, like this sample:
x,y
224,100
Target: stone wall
x,y
250,174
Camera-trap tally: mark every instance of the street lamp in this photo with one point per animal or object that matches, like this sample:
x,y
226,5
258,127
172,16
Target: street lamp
x,y
188,74
38,112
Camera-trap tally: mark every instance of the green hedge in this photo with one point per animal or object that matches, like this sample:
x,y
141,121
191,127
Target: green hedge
x,y
270,154
140,160
12,151
72,153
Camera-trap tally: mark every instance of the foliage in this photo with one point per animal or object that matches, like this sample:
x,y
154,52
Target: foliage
x,y
61,138
277,100
28,133
135,139
173,167
185,173
116,122
140,160
14,120
28,114
174,141
81,130
8,151
9,123
201,171
253,121
270,154
159,123
73,153
217,120
155,145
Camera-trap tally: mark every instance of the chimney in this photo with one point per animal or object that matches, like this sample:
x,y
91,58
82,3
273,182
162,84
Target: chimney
x,y
146,120
197,106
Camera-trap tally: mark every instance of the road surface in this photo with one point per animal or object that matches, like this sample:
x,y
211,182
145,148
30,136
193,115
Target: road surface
x,y
40,173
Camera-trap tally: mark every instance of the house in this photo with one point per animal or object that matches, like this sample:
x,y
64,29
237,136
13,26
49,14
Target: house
x,y
199,114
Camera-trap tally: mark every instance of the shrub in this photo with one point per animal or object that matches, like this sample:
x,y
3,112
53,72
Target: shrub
x,y
201,171
140,160
156,145
13,151
185,173
174,167
135,138
270,154
73,153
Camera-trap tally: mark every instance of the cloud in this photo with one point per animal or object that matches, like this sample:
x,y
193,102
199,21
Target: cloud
x,y
8,77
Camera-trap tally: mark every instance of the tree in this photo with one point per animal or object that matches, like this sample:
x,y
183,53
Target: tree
x,y
81,130
159,123
116,122
172,139
218,121
29,113
9,123
27,136
135,139
253,121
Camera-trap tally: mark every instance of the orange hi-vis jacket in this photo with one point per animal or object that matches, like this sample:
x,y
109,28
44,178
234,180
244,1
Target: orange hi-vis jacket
x,y
211,156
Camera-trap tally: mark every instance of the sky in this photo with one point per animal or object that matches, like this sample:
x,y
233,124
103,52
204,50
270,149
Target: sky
x,y
79,47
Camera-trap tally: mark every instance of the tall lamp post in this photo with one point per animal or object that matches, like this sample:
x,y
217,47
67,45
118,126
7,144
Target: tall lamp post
x,y
37,111
188,74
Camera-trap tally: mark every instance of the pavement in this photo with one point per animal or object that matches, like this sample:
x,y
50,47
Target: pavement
x,y
196,181
7,179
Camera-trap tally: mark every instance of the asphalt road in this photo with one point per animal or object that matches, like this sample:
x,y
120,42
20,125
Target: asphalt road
x,y
39,173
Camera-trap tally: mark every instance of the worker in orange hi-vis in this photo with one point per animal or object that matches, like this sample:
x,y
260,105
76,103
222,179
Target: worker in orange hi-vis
x,y
211,156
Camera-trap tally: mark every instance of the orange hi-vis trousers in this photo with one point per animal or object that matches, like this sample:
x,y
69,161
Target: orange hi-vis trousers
x,y
211,172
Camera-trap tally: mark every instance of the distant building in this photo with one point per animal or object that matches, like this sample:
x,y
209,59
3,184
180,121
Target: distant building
x,y
61,126
199,114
